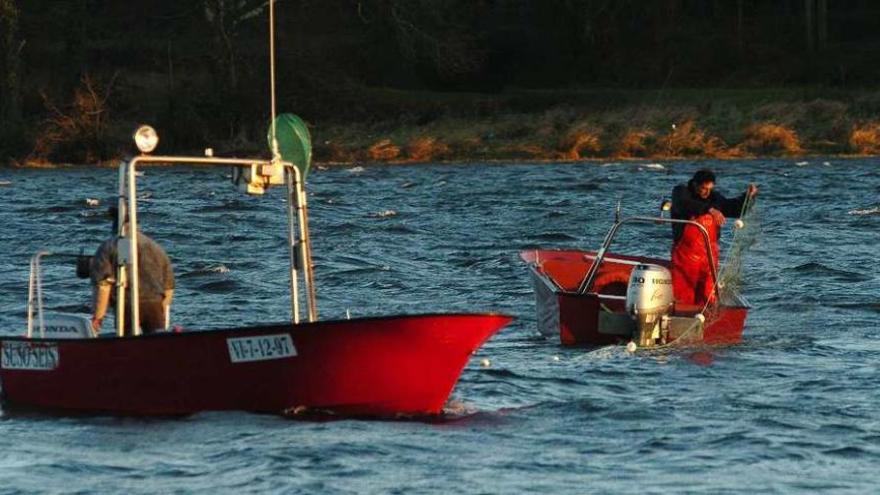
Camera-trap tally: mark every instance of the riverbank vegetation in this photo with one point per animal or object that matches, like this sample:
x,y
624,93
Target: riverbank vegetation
x,y
427,80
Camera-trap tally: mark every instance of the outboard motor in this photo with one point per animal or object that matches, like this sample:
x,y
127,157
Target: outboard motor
x,y
648,299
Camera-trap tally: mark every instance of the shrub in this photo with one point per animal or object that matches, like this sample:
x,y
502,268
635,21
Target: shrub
x,y
636,144
423,149
865,139
686,139
383,150
577,142
524,150
769,138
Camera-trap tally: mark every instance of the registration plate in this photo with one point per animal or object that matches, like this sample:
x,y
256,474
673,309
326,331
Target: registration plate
x,y
29,356
260,348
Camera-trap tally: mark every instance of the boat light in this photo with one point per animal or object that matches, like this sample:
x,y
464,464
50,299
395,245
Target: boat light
x,y
146,139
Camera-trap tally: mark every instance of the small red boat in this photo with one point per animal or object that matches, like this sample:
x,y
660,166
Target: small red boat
x,y
595,298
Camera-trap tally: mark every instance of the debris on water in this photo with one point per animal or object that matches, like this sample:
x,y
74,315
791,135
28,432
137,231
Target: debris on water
x,y
386,213
631,347
485,363
556,358
655,166
356,170
93,201
217,268
874,210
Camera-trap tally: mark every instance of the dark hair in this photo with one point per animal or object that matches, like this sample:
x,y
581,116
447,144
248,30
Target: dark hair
x,y
703,176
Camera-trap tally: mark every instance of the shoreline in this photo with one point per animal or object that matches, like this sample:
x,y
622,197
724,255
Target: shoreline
x,y
556,126
322,165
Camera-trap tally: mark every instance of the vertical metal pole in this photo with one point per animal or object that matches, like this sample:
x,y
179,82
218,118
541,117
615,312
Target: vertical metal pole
x,y
133,246
292,174
305,246
30,303
305,251
40,297
121,275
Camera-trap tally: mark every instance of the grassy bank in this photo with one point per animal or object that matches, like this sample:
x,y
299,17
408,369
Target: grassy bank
x,y
382,125
574,125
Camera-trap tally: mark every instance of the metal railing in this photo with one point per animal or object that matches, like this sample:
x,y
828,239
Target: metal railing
x,y
299,242
35,291
590,276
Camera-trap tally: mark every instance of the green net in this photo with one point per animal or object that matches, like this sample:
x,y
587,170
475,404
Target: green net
x,y
294,141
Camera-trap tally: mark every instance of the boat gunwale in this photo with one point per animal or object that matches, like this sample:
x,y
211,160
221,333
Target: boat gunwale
x,y
283,326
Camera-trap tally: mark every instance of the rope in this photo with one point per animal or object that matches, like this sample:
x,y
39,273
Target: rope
x,y
276,155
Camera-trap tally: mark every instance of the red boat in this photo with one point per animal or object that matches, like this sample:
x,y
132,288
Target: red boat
x,y
387,366
595,298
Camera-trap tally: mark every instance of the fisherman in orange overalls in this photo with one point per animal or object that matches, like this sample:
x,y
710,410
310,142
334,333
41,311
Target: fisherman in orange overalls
x,y
697,200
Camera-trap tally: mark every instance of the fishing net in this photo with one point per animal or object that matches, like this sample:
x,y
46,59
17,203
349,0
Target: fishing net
x,y
730,277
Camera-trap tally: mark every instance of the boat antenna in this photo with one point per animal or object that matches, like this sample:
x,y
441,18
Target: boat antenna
x,y
276,155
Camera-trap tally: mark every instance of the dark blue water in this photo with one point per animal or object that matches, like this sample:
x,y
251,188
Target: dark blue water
x,y
794,408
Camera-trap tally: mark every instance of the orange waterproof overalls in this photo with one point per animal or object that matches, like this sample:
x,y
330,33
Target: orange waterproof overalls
x,y
692,281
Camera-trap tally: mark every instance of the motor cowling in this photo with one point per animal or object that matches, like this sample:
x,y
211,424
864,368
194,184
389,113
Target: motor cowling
x,y
649,298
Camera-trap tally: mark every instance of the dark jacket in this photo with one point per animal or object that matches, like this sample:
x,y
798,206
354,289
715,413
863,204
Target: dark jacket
x,y
686,204
155,274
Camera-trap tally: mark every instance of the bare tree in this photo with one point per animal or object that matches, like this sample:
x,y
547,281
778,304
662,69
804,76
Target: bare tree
x,y
225,18
437,32
10,87
822,24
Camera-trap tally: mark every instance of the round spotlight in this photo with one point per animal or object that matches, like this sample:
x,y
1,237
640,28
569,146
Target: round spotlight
x,y
146,139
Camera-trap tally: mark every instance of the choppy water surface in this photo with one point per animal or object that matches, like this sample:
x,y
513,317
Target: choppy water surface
x,y
793,408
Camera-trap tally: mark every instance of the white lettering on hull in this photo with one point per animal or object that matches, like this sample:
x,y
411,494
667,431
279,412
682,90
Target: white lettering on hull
x,y
29,356
260,348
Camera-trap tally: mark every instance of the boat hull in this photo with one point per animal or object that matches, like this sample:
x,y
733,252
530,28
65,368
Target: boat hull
x,y
575,318
399,365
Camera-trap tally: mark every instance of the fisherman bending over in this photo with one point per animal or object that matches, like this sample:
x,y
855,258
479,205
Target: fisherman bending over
x,y
155,281
698,201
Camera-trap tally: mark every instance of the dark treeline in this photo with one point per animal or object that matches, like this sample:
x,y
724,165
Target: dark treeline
x,y
74,72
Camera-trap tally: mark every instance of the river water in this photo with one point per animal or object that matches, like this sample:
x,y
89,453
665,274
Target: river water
x,y
794,408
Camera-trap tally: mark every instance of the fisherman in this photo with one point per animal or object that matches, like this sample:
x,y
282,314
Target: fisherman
x,y
692,281
155,281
